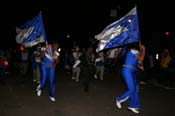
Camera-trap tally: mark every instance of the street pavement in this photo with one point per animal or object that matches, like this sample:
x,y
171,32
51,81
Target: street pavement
x,y
18,97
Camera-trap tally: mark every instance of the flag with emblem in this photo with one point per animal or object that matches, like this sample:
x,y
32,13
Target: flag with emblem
x,y
32,32
121,32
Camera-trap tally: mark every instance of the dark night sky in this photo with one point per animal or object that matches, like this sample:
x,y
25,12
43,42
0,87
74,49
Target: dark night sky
x,y
84,18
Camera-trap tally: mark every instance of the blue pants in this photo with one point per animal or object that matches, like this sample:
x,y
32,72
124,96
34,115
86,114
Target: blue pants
x,y
48,73
131,95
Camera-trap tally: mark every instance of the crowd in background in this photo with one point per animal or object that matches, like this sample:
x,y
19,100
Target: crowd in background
x,y
159,66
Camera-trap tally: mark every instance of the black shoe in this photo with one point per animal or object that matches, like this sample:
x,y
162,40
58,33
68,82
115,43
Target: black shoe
x,y
86,89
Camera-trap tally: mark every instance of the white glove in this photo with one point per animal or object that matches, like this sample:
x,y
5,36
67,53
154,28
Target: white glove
x,y
97,59
77,62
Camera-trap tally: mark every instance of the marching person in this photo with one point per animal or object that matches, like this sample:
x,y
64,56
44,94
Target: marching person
x,y
100,65
76,64
132,64
88,67
24,61
49,60
36,64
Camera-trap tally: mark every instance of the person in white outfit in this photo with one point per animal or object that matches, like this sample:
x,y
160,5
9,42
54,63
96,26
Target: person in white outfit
x,y
76,65
100,65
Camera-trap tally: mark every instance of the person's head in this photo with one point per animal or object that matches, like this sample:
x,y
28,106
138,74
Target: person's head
x,y
90,49
76,49
38,48
54,45
101,53
165,52
134,46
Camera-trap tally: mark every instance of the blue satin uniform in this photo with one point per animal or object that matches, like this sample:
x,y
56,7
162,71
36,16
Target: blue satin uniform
x,y
47,71
129,74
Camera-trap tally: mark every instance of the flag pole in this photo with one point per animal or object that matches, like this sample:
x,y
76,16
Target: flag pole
x,y
49,47
40,13
138,23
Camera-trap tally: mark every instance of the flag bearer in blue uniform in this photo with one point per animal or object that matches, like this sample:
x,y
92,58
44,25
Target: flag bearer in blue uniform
x,y
132,64
49,61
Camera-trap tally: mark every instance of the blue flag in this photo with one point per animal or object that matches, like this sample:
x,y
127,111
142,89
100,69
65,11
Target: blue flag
x,y
121,32
32,32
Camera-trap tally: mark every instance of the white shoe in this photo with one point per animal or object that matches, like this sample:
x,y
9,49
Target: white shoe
x,y
95,76
118,104
76,80
38,87
52,98
142,82
34,80
39,93
134,110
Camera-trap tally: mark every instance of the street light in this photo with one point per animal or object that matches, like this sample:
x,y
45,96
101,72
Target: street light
x,y
68,36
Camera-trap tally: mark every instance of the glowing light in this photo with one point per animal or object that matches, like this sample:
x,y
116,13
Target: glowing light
x,y
68,36
129,20
157,56
59,50
167,33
